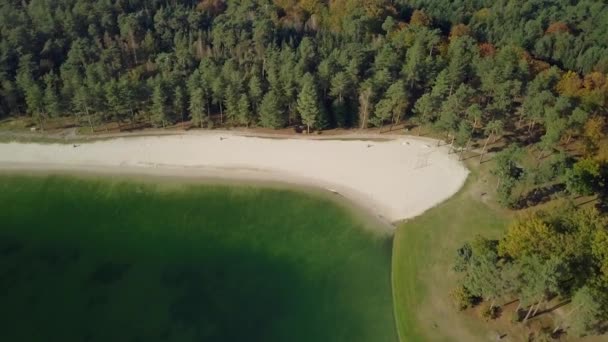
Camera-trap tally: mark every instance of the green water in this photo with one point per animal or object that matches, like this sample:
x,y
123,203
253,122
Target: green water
x,y
92,259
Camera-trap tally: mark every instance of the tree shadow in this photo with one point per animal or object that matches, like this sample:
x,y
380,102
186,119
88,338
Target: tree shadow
x,y
539,196
554,307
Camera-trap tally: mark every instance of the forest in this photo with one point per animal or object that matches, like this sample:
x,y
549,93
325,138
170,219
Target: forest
x,y
532,74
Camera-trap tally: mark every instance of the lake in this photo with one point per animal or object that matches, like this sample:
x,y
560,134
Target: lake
x,y
115,259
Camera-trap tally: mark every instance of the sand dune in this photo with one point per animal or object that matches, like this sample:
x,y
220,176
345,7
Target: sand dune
x,y
396,179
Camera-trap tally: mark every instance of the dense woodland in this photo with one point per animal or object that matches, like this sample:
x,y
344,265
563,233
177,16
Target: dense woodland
x,y
532,73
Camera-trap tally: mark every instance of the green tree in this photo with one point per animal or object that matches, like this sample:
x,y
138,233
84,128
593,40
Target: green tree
x,y
217,95
308,103
365,103
414,68
244,113
271,113
197,105
340,85
179,103
392,107
586,311
83,103
424,110
34,99
256,93
583,178
160,110
51,100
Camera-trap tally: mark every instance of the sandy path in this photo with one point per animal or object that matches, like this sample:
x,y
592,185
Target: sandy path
x,y
396,179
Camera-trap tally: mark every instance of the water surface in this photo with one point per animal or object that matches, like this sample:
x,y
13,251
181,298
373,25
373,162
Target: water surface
x,y
101,259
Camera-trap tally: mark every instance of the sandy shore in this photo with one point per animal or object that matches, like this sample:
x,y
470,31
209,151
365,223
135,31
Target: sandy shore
x,y
396,179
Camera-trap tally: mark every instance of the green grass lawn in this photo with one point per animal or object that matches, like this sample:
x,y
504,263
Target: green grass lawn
x,y
423,252
92,259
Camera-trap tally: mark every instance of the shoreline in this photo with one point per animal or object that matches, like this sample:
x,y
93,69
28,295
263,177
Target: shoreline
x,y
377,176
179,177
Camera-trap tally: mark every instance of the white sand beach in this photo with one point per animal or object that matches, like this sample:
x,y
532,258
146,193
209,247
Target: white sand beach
x,y
395,179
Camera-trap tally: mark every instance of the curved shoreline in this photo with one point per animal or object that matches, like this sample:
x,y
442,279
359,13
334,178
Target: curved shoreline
x,y
395,179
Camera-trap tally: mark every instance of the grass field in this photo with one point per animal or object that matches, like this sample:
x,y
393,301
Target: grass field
x,y
423,252
87,259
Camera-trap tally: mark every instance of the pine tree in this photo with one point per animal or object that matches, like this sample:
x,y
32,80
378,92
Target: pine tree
x,y
82,103
256,93
197,106
244,113
217,89
51,99
308,103
231,103
271,114
179,103
340,84
160,110
34,98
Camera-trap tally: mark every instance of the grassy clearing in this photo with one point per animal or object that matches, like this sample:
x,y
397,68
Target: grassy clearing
x,y
423,252
113,260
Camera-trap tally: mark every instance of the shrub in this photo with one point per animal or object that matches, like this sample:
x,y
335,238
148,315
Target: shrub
x,y
490,312
517,316
462,298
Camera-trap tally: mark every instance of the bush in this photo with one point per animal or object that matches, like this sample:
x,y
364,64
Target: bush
x,y
489,313
517,316
208,122
462,298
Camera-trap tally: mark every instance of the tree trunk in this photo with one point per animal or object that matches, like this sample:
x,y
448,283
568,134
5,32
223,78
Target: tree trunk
x,y
419,129
483,150
537,307
518,306
307,129
565,318
200,46
452,144
528,314
221,113
86,108
364,118
530,126
132,36
466,147
40,122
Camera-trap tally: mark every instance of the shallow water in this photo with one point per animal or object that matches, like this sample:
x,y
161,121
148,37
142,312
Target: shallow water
x,y
92,259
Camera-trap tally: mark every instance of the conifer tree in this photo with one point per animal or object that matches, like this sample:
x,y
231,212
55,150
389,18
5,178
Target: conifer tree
x,y
271,114
308,103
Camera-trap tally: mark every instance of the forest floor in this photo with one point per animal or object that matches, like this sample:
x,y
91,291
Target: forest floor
x,y
67,129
